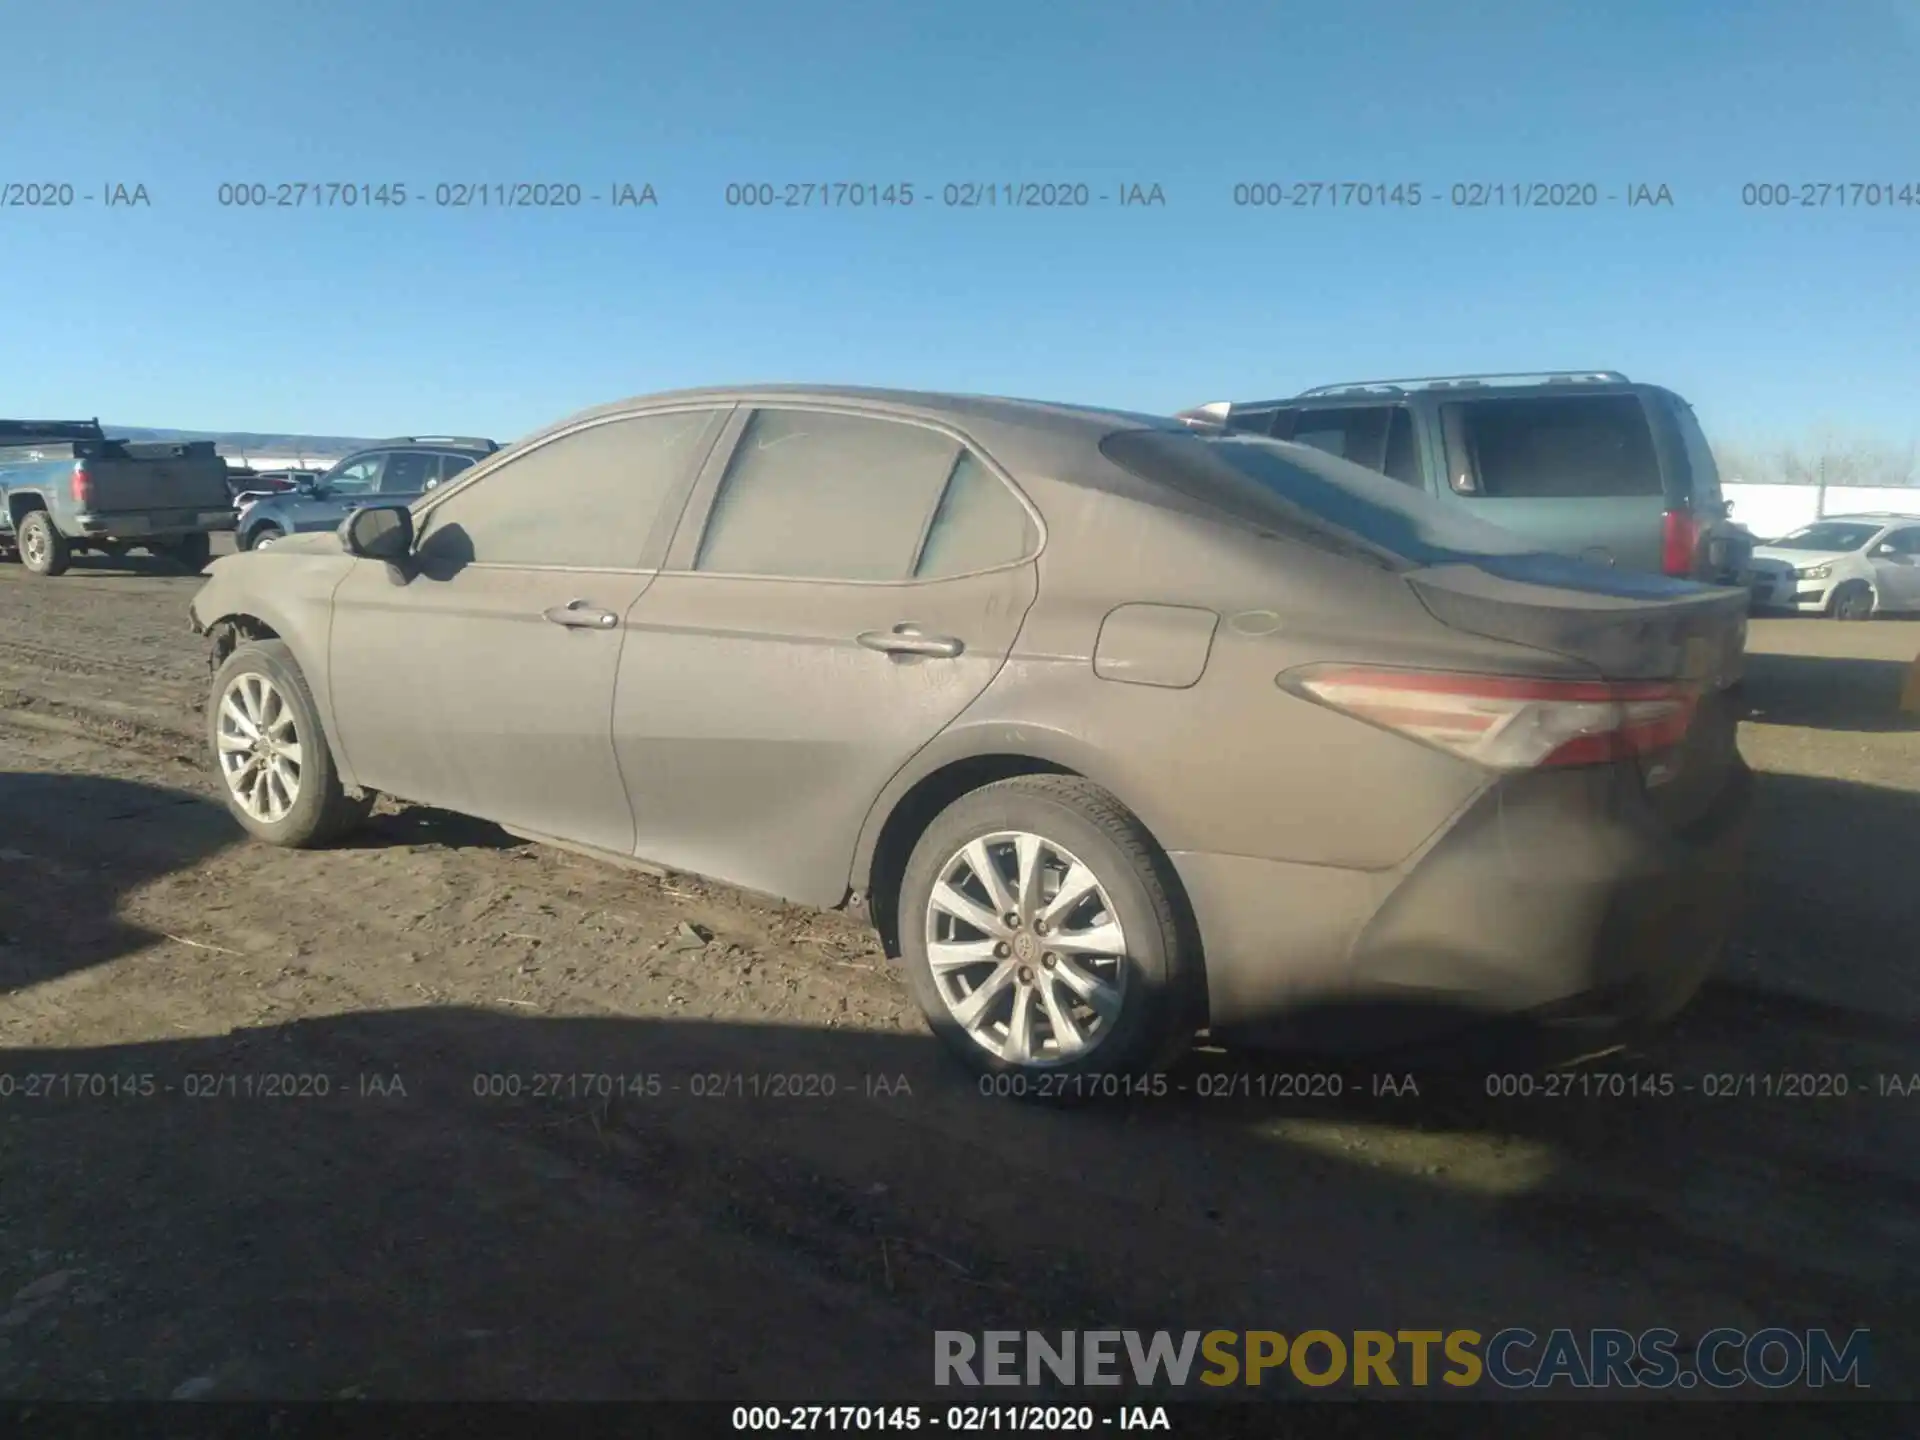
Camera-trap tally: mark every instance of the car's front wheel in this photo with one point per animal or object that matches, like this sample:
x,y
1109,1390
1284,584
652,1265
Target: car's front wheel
x,y
1852,601
265,536
1042,937
271,755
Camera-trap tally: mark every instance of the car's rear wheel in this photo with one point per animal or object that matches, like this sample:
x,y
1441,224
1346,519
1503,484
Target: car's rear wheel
x,y
1043,938
1852,601
271,754
43,549
265,536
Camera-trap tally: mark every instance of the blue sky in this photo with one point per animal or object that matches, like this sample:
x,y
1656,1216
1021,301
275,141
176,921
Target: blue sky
x,y
366,321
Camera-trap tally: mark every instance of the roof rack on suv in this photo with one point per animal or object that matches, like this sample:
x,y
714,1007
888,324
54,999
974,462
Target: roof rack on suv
x,y
1468,382
476,442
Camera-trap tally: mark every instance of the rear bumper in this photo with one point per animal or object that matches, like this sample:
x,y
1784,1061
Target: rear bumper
x,y
1556,907
160,524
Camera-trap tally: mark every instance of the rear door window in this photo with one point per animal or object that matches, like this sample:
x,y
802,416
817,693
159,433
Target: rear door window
x,y
1563,447
821,495
979,525
446,466
407,473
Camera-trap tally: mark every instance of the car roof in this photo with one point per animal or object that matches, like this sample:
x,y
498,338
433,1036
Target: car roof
x,y
996,419
1541,386
467,447
453,447
1875,517
930,403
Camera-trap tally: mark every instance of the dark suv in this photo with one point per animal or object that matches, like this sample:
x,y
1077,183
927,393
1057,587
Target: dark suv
x,y
394,472
1585,463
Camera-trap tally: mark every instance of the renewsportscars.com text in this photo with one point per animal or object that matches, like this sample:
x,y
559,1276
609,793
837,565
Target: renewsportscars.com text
x,y
1510,1359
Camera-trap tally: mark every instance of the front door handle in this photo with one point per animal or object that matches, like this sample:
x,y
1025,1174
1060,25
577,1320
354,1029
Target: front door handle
x,y
907,639
579,615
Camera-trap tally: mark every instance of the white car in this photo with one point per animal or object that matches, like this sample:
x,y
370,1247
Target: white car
x,y
1852,567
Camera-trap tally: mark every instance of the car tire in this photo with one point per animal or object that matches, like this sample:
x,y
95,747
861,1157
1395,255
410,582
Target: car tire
x,y
260,689
1852,601
265,536
1141,1019
43,549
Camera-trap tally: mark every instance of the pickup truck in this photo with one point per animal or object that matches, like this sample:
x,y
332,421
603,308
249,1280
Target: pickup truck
x,y
66,489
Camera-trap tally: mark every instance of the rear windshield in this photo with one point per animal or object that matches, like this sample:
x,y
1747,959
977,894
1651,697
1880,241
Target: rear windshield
x,y
1833,536
1305,493
1564,448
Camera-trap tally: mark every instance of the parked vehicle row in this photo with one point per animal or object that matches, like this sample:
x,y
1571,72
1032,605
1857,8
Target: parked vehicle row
x,y
1118,728
246,484
66,489
394,472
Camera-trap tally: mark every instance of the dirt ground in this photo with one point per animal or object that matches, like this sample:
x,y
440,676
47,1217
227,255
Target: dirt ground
x,y
391,1230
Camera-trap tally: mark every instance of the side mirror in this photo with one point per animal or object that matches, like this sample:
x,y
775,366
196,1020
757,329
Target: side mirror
x,y
379,532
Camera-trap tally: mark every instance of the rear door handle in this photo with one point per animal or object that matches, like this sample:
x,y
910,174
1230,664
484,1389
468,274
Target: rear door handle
x,y
908,639
578,615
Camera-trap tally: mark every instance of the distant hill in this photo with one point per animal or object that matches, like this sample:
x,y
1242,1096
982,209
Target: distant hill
x,y
249,442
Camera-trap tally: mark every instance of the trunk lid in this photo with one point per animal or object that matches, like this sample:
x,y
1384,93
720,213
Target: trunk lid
x,y
125,477
1624,627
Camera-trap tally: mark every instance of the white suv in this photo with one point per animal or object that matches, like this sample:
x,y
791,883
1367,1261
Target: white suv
x,y
1852,567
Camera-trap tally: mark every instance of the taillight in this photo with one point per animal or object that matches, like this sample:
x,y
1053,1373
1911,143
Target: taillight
x,y
1504,722
82,484
1679,538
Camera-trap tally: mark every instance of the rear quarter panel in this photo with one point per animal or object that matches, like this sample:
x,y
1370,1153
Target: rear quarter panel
x,y
1231,763
37,484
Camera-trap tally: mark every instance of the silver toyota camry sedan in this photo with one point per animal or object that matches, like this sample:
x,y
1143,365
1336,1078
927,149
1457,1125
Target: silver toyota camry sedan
x,y
1118,731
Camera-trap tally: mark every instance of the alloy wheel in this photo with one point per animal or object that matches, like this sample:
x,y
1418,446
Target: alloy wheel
x,y
1026,948
259,748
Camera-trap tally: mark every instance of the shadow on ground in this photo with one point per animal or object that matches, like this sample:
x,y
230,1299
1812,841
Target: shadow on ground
x,y
1827,693
154,566
58,908
72,846
453,1202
